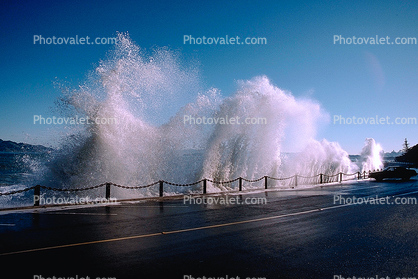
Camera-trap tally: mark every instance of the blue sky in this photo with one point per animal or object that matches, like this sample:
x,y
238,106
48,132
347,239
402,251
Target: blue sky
x,y
300,56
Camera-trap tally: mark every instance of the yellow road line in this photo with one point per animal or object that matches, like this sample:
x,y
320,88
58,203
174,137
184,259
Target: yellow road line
x,y
80,244
169,232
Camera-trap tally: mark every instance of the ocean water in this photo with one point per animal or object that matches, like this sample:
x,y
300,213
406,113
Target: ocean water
x,y
18,168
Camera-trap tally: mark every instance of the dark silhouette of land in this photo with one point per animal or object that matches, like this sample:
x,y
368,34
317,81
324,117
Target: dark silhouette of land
x,y
410,156
11,146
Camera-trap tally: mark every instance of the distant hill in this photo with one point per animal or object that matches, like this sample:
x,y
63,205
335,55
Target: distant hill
x,y
11,146
410,157
392,154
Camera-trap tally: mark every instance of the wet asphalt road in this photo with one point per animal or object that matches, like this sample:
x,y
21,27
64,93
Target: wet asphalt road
x,y
296,234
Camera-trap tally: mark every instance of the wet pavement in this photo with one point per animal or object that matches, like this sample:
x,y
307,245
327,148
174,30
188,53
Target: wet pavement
x,y
308,233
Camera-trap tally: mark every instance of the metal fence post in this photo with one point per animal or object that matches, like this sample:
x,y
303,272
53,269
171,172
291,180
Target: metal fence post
x,y
296,180
36,195
161,188
265,182
341,177
320,178
240,183
107,195
204,186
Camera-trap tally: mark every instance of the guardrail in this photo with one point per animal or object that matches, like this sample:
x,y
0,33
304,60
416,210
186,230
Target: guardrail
x,y
294,181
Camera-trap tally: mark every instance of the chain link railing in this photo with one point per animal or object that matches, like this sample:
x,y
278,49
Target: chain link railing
x,y
294,181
